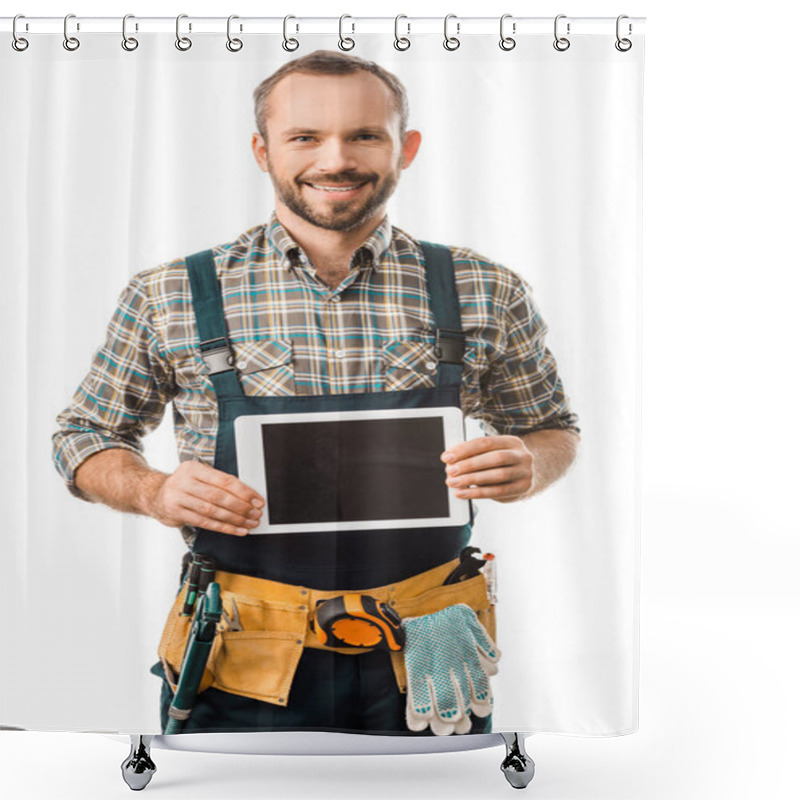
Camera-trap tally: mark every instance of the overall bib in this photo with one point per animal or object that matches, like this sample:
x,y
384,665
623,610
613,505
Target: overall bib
x,y
330,690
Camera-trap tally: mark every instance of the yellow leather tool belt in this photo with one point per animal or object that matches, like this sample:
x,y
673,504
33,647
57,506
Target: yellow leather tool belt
x,y
266,626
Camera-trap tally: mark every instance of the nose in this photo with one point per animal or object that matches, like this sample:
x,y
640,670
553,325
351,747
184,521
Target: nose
x,y
335,155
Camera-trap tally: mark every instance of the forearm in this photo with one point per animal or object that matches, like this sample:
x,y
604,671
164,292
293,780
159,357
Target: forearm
x,y
120,479
195,494
553,451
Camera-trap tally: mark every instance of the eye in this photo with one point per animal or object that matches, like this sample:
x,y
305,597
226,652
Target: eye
x,y
303,138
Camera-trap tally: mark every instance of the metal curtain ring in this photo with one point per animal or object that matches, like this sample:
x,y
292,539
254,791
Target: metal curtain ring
x,y
561,43
70,42
506,42
451,42
289,44
234,45
182,42
345,42
128,42
401,42
623,45
18,42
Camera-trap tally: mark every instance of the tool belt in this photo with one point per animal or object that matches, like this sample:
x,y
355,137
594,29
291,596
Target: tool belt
x,y
258,655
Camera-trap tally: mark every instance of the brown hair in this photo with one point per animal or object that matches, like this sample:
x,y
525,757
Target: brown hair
x,y
329,62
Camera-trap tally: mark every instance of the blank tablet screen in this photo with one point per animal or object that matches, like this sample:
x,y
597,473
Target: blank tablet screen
x,y
351,470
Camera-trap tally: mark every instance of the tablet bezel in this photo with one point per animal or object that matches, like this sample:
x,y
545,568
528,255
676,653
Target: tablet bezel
x,y
250,460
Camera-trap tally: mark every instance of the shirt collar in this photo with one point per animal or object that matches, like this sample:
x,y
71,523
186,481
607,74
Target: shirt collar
x,y
290,254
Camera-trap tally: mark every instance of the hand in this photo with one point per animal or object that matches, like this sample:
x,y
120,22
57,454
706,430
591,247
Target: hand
x,y
498,467
199,495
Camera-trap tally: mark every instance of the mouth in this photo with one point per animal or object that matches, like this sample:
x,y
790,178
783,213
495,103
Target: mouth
x,y
337,190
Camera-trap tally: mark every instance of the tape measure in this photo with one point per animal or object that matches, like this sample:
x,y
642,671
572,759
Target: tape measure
x,y
357,620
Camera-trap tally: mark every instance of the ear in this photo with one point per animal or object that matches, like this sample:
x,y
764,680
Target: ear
x,y
410,147
260,151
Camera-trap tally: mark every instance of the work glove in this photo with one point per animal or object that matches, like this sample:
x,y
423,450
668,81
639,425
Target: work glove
x,y
449,657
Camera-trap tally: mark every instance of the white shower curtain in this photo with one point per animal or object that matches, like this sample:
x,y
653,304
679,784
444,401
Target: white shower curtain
x,y
114,162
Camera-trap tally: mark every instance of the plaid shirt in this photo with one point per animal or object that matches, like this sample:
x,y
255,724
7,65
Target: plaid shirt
x,y
292,334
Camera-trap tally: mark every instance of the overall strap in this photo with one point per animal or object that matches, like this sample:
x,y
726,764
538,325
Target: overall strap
x,y
449,348
215,348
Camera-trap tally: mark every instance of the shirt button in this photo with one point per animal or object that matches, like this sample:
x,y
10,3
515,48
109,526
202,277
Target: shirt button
x,y
241,364
340,354
335,298
430,365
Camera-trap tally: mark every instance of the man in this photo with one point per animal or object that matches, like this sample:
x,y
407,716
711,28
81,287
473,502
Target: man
x,y
326,301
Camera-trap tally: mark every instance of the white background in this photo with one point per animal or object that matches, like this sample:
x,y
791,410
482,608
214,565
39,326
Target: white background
x,y
719,536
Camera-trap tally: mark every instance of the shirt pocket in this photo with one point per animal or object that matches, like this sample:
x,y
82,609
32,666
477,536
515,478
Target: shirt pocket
x,y
265,367
408,364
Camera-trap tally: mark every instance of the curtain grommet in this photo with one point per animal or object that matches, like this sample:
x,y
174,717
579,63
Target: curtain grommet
x,y
183,43
70,43
345,42
507,42
290,44
19,43
129,43
623,44
451,43
561,43
401,43
234,45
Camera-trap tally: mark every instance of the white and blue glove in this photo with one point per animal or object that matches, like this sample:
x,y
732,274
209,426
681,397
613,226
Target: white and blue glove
x,y
449,657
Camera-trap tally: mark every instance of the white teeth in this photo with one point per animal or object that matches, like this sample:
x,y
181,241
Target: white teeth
x,y
336,188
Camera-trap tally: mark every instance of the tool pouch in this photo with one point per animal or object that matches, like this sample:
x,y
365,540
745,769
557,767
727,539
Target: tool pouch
x,y
259,660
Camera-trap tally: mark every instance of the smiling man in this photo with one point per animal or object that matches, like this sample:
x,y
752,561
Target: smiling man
x,y
326,307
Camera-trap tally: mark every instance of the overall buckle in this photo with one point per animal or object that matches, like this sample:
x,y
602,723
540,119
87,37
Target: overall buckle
x,y
217,358
449,346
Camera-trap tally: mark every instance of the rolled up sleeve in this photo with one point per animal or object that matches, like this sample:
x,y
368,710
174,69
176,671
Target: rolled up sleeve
x,y
122,397
523,391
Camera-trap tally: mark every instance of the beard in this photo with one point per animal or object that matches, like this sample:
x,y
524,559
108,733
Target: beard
x,y
343,215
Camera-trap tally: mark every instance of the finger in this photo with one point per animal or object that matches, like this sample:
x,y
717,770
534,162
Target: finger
x,y
480,692
215,514
439,725
464,725
446,698
225,480
502,491
224,499
489,477
492,459
483,444
199,521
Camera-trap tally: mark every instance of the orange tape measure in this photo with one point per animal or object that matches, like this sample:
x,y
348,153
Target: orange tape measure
x,y
357,620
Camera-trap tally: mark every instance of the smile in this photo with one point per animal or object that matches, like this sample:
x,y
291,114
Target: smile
x,y
342,190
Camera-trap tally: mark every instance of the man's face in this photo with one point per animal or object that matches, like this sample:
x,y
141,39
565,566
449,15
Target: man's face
x,y
333,147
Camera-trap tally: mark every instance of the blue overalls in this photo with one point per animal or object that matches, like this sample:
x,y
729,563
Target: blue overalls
x,y
331,691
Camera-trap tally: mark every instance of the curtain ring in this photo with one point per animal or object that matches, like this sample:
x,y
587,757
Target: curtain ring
x,y
182,42
292,44
623,45
401,42
345,42
18,42
234,45
129,43
70,42
451,42
561,43
506,42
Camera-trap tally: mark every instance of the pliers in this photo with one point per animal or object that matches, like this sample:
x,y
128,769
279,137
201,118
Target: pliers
x,y
233,623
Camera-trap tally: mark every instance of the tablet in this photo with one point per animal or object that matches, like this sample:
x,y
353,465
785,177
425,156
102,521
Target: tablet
x,y
351,470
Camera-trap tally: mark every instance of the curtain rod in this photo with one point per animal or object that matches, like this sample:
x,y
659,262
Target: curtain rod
x,y
310,25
